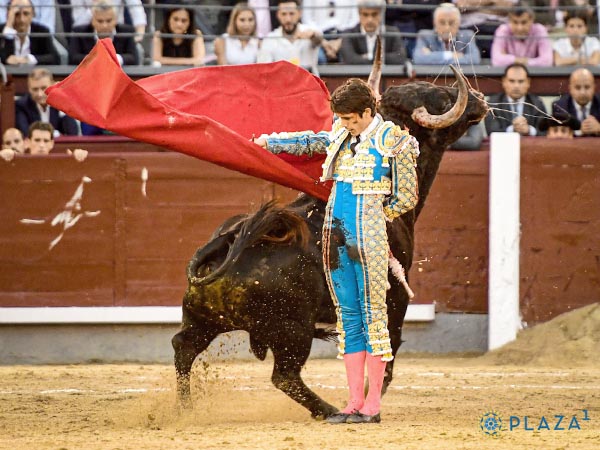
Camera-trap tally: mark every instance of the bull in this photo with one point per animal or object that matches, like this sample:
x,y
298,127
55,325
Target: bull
x,y
263,273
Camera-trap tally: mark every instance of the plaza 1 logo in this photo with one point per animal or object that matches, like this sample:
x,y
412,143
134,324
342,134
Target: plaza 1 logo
x,y
491,423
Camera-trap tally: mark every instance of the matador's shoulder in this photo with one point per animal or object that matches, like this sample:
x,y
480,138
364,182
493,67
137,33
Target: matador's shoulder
x,y
392,139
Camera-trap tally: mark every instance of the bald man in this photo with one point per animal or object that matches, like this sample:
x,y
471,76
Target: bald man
x,y
582,102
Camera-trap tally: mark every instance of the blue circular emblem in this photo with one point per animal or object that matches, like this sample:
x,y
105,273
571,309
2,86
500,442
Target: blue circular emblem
x,y
491,424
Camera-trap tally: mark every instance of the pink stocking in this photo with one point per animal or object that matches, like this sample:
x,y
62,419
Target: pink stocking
x,y
376,373
355,373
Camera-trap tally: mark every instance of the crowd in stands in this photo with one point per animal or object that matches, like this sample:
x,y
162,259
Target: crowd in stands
x,y
512,34
197,32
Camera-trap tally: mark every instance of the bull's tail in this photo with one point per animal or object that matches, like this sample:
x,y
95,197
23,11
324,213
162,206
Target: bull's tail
x,y
271,223
326,334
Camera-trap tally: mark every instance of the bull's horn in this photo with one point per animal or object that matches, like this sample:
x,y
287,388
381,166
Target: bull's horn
x,y
375,75
422,117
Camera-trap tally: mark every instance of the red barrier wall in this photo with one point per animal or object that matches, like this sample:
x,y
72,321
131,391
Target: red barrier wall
x,y
134,252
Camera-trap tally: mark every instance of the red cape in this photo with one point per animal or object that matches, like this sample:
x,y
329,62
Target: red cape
x,y
209,113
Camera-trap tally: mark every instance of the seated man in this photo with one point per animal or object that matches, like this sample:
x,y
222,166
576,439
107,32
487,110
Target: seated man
x,y
12,143
515,110
81,14
32,107
18,45
40,138
292,41
581,103
360,47
522,41
446,44
13,139
45,13
104,25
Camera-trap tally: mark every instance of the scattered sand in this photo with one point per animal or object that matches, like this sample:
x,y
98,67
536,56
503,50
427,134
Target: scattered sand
x,y
433,403
571,339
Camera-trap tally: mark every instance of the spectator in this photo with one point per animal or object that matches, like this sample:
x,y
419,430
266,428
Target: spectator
x,y
588,6
484,17
291,41
82,14
520,111
240,44
40,138
521,41
560,126
45,13
330,17
17,45
12,143
32,107
581,103
578,48
104,25
410,16
13,139
471,140
186,48
360,48
446,43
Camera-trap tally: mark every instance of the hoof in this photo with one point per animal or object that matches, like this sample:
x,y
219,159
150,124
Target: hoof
x,y
358,417
324,413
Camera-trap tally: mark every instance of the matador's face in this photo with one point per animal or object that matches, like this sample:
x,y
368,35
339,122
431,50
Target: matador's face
x,y
356,123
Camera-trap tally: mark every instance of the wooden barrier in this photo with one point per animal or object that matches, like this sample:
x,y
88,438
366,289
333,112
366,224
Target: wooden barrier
x,y
120,247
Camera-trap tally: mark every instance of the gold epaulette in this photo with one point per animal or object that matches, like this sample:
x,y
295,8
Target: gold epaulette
x,y
391,139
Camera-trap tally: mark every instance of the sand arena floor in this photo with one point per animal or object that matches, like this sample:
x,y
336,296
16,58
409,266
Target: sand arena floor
x,y
433,403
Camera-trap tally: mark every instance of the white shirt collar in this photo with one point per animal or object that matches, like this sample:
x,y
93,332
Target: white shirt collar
x,y
44,115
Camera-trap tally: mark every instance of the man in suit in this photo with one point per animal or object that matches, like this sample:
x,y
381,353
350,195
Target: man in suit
x,y
360,47
581,103
516,110
17,45
32,107
446,44
104,25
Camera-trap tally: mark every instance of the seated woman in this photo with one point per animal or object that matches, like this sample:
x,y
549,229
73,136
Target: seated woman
x,y
577,48
185,48
240,44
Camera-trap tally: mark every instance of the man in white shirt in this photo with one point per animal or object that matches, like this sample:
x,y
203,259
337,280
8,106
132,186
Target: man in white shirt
x,y
17,45
292,41
45,12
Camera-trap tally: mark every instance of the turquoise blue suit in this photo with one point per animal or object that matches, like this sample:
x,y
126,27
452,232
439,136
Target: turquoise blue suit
x,y
374,182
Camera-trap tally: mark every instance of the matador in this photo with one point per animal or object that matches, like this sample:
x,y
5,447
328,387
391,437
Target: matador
x,y
372,163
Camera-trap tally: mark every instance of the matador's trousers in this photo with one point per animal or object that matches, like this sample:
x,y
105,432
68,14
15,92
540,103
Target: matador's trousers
x,y
355,255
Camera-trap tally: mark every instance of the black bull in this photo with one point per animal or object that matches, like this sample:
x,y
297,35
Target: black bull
x,y
263,273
